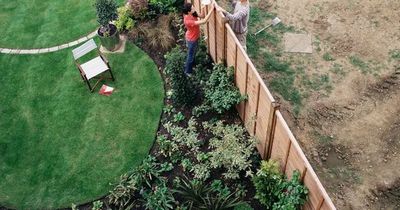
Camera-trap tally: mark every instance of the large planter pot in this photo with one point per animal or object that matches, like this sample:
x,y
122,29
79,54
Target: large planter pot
x,y
111,42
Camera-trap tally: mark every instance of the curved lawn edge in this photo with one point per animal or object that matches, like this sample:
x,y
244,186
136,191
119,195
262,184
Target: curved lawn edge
x,y
78,89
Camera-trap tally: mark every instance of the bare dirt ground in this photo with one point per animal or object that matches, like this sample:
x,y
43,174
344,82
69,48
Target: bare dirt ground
x,y
352,134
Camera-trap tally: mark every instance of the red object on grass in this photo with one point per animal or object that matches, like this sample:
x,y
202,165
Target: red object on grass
x,y
106,90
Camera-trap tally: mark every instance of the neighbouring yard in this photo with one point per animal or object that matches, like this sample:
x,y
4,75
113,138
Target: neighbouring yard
x,y
61,144
37,24
342,100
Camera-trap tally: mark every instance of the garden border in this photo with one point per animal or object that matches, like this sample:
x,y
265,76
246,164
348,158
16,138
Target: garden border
x,y
260,112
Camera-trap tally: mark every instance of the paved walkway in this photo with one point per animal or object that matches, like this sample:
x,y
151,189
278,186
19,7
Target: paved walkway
x,y
50,49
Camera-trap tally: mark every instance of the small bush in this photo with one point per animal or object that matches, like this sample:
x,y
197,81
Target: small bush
x,y
230,149
138,8
199,195
124,21
220,91
106,12
183,92
159,198
275,192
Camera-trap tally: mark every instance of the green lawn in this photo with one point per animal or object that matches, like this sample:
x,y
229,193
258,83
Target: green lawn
x,y
45,23
61,144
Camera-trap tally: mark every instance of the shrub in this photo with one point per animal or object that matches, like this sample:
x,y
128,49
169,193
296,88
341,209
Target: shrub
x,y
106,12
275,192
220,91
267,182
138,8
292,195
185,137
199,195
141,177
230,149
183,92
124,21
164,6
160,198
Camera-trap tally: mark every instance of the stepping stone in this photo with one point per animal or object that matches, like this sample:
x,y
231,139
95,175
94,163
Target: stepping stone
x,y
53,49
82,39
298,43
63,46
5,50
44,50
73,43
25,52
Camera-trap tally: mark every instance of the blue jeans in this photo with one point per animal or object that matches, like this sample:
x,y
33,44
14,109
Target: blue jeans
x,y
192,47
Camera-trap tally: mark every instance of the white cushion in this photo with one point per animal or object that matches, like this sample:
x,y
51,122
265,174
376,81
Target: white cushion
x,y
94,67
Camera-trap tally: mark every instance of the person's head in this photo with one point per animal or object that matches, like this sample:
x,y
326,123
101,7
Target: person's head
x,y
187,9
244,1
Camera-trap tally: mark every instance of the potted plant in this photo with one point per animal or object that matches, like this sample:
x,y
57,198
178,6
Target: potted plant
x,y
108,33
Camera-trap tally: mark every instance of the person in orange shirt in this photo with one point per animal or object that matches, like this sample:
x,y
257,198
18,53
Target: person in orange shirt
x,y
192,25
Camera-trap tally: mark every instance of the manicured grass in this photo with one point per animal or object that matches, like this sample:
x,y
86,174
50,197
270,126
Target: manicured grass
x,y
45,23
61,144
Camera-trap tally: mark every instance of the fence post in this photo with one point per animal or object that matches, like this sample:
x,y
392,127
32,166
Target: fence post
x,y
270,130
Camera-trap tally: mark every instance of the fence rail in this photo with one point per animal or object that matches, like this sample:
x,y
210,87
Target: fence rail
x,y
260,113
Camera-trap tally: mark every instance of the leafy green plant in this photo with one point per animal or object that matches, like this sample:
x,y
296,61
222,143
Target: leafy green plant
x,y
164,6
200,110
123,194
220,91
183,92
160,198
169,109
179,117
244,206
198,195
124,20
185,137
293,194
97,205
106,12
186,164
275,192
230,149
166,147
267,182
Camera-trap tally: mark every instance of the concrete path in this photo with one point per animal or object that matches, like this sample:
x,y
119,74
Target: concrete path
x,y
50,49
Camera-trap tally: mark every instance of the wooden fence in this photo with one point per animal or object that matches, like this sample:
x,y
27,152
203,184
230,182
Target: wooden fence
x,y
260,113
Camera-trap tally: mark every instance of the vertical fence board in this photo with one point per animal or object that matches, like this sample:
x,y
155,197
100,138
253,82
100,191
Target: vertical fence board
x,y
231,50
314,194
281,143
220,37
263,116
240,80
212,38
251,102
294,163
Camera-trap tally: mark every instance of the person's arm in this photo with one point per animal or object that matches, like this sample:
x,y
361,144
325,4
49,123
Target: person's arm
x,y
203,12
203,21
238,15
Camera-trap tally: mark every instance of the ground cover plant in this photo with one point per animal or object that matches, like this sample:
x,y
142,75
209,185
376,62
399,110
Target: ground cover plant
x,y
54,22
61,144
